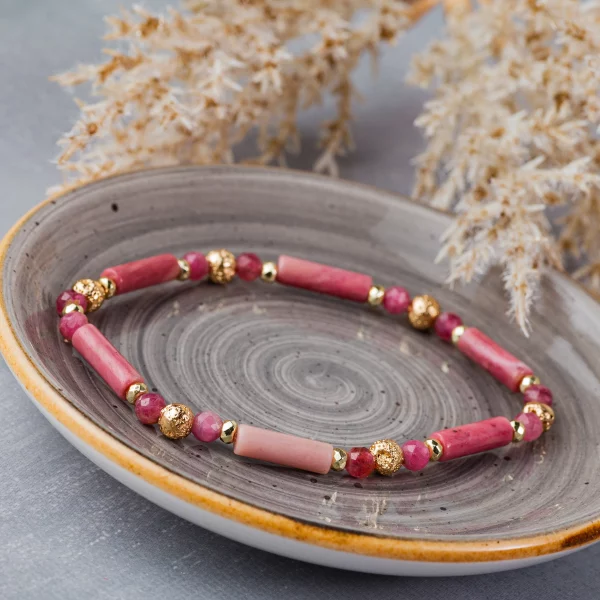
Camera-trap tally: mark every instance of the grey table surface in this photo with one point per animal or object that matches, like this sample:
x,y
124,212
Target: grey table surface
x,y
67,529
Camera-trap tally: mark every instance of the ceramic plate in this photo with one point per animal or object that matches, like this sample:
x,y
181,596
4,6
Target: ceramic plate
x,y
299,363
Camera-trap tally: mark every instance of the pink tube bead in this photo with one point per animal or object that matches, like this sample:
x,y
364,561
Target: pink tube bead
x,y
506,368
283,449
324,279
106,360
143,273
474,437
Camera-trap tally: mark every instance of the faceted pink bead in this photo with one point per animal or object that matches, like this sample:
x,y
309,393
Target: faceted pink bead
x,y
533,426
70,323
148,407
416,455
360,463
538,393
69,296
445,324
198,265
207,426
396,300
249,266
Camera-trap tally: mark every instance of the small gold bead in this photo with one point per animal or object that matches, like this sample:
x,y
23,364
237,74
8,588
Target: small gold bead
x,y
175,421
110,287
457,333
93,290
135,390
543,411
184,269
388,456
221,266
527,381
518,431
228,431
423,312
376,293
72,307
435,449
269,272
339,459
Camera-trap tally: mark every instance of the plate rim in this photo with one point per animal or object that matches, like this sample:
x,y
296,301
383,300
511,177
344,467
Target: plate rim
x,y
40,390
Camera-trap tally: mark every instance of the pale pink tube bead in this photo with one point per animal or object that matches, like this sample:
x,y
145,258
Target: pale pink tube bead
x,y
143,273
474,437
506,368
283,449
106,360
324,279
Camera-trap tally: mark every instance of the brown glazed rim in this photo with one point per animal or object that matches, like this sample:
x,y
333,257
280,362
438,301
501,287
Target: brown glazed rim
x,y
363,544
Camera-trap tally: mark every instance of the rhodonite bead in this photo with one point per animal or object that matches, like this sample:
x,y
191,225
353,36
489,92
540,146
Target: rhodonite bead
x,y
207,426
360,463
533,426
198,265
248,266
538,393
416,455
396,300
148,407
445,324
68,297
70,323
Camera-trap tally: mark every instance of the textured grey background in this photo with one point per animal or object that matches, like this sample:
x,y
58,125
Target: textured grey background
x,y
68,530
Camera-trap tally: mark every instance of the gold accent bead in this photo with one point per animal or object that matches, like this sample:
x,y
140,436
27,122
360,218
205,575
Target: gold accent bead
x,y
457,333
423,312
376,293
221,266
93,290
110,287
527,381
518,431
339,459
269,272
135,390
543,411
175,421
388,456
435,449
184,269
72,307
228,431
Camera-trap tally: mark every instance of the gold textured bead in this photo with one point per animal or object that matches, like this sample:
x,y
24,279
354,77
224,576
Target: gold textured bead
x,y
376,293
184,269
94,292
72,307
221,266
135,390
457,333
543,411
228,431
339,459
388,456
110,287
518,431
176,421
269,272
527,381
435,449
423,312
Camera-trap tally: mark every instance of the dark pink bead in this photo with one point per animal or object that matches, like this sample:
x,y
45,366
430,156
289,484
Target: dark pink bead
x,y
70,323
396,300
69,296
198,265
416,455
533,426
249,266
360,463
445,325
538,393
207,426
148,407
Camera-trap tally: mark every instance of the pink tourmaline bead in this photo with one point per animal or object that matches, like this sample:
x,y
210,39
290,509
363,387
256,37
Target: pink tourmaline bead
x,y
148,407
416,455
396,300
360,463
248,266
538,393
207,426
69,296
533,426
198,265
70,323
445,324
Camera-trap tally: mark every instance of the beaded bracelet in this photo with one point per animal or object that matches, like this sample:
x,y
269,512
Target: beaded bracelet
x,y
176,421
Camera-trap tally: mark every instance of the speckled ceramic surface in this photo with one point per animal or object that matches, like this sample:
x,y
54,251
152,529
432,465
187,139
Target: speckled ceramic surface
x,y
312,365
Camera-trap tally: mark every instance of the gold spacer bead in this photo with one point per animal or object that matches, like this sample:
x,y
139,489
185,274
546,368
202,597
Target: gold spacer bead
x,y
388,456
175,421
339,459
93,290
72,307
376,293
221,266
110,287
135,390
527,381
228,431
435,449
269,272
184,269
543,411
457,333
518,431
423,312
